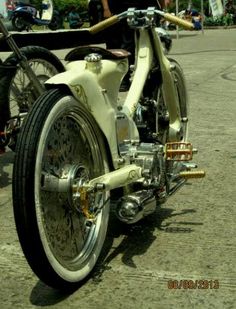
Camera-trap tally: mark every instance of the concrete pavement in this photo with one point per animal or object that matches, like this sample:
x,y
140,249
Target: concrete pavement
x,y
192,236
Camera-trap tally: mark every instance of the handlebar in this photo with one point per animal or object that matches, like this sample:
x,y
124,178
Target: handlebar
x,y
104,24
179,21
116,18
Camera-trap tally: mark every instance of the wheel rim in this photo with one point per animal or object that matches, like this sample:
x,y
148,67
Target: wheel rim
x,y
68,150
183,106
162,113
20,23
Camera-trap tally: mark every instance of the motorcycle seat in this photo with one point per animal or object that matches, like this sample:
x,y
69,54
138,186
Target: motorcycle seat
x,y
80,52
19,4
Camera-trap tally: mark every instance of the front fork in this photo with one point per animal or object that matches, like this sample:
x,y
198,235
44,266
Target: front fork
x,y
39,88
169,92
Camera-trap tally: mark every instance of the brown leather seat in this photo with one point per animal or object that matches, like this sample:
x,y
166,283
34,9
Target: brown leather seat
x,y
80,52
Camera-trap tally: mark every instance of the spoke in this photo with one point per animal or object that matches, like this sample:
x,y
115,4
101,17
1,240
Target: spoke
x,y
21,95
78,243
34,65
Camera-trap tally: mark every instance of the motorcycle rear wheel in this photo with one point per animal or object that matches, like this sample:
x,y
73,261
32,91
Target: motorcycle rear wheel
x,y
59,141
17,93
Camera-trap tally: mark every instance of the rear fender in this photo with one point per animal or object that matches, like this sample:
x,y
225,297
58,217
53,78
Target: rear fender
x,y
84,86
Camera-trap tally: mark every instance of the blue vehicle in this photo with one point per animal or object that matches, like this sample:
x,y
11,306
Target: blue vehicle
x,y
26,15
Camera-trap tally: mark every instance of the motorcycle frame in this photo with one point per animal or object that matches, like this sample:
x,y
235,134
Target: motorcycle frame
x,y
96,86
150,46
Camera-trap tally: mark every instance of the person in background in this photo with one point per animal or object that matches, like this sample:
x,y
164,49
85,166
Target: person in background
x,y
121,35
230,13
95,11
194,16
74,19
10,7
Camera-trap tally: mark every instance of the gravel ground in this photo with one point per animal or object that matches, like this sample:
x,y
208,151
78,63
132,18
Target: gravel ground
x,y
192,237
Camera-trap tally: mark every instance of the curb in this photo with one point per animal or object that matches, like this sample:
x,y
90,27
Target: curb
x,y
219,27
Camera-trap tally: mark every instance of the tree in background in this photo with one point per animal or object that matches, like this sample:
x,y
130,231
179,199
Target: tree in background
x,y
184,4
64,5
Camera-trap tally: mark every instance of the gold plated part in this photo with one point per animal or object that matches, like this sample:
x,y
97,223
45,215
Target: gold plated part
x,y
192,174
84,201
178,151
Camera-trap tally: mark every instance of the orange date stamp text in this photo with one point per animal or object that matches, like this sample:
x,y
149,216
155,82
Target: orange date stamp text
x,y
193,284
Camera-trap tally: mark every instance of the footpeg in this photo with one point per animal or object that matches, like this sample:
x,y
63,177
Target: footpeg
x,y
192,174
179,151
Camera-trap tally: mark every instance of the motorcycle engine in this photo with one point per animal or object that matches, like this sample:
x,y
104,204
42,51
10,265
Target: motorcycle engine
x,y
142,196
152,121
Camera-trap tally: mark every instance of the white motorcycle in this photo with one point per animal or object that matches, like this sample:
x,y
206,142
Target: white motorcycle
x,y
80,142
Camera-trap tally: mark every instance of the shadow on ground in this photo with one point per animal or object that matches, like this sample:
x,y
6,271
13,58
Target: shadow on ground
x,y
43,295
6,161
137,238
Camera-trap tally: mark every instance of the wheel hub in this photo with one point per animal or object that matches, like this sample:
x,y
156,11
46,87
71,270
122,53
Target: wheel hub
x,y
71,182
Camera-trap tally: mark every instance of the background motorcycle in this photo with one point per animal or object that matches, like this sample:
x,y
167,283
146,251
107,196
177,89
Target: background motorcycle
x,y
26,15
22,77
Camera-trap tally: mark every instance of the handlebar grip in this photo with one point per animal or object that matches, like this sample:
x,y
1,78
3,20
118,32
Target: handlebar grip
x,y
179,21
104,24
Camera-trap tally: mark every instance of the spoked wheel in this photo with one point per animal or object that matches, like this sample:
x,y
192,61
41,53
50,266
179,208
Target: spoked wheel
x,y
17,92
182,99
158,117
60,148
153,113
162,111
174,167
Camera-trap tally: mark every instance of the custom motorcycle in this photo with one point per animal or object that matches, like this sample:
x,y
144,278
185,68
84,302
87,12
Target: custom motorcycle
x,y
81,141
